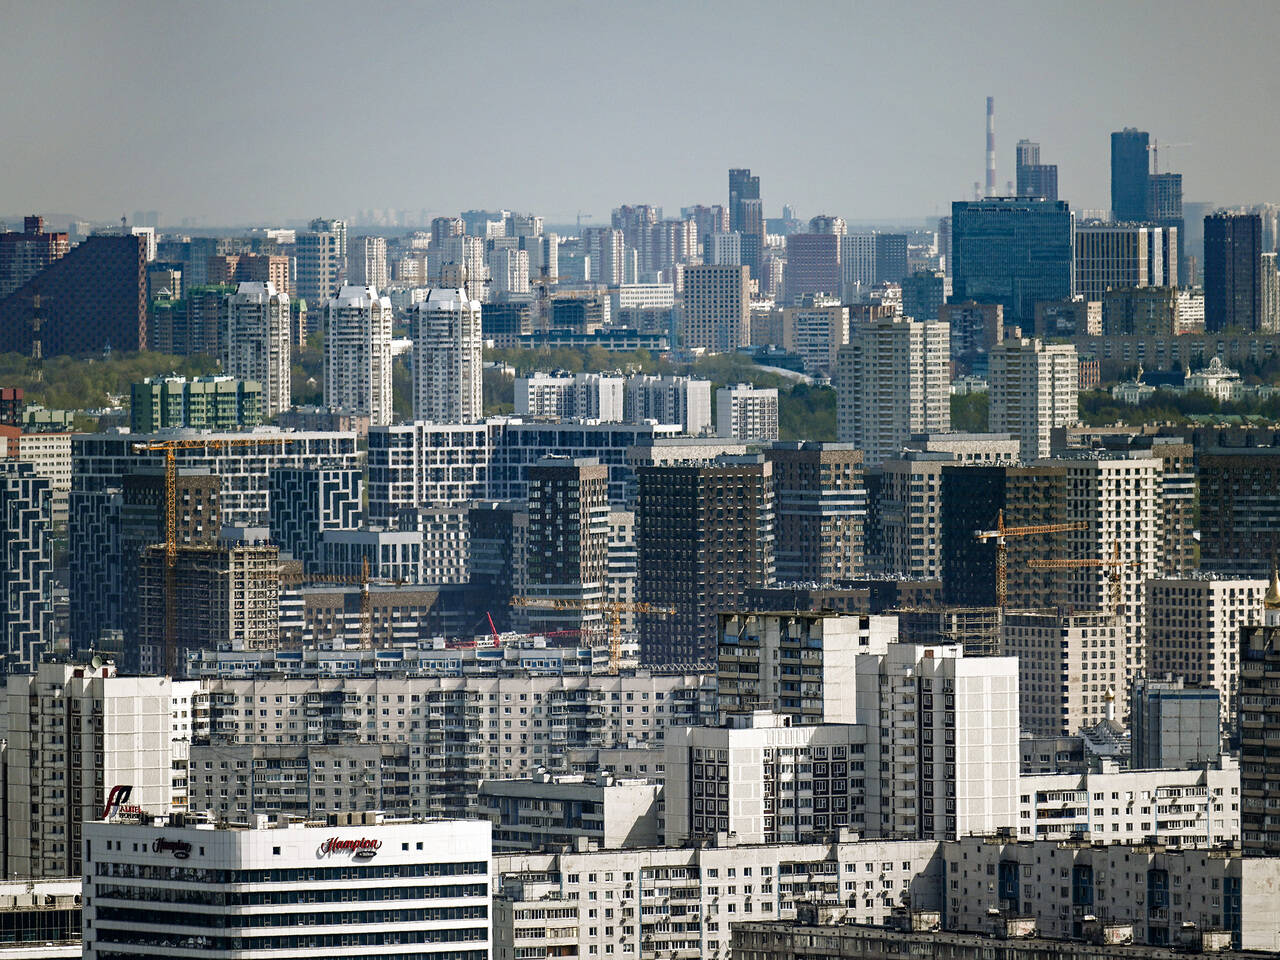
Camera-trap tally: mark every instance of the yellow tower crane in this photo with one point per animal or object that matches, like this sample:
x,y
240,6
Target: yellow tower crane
x,y
1002,533
1114,565
613,608
170,449
366,604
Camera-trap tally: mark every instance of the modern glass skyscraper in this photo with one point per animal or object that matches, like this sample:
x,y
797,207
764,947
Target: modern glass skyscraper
x,y
1013,251
1233,265
1130,172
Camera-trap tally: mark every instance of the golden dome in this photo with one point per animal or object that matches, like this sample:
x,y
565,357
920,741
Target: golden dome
x,y
1272,600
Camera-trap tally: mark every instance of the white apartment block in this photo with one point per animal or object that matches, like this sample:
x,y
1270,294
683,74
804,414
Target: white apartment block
x,y
1155,890
892,381
74,733
744,412
368,266
1178,808
50,456
448,358
418,465
669,399
357,354
723,249
467,256
363,886
763,780
1034,388
510,271
332,739
1193,631
1070,669
1119,497
582,396
682,902
816,333
622,566
857,260
801,664
943,735
259,344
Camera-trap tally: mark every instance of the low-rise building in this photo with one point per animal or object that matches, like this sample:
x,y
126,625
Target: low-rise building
x,y
548,812
1179,808
1064,886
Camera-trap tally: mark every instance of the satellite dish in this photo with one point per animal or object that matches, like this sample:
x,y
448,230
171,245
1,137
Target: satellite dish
x,y
96,662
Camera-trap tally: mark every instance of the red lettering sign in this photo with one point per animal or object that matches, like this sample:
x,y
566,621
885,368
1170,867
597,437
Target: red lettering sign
x,y
360,849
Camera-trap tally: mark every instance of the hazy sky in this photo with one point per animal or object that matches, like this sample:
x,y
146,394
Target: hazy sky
x,y
274,111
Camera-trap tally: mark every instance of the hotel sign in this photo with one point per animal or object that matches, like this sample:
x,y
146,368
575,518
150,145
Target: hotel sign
x,y
362,849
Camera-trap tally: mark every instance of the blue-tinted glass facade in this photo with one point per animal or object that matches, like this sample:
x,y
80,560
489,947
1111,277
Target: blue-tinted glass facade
x,y
1013,251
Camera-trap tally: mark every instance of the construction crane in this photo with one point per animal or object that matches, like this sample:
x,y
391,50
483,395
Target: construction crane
x,y
613,608
170,449
366,603
1154,149
1114,565
1002,533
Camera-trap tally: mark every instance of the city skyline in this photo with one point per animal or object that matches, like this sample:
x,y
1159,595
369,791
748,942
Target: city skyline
x,y
604,78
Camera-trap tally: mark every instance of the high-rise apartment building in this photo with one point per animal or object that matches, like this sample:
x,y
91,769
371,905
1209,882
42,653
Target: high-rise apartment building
x,y
1130,173
26,567
1233,274
369,263
321,265
1034,388
447,358
722,249
752,797
510,271
567,547
1013,251
668,399
818,687
1259,715
23,255
717,307
305,501
1193,628
1111,256
259,345
892,381
975,329
1070,666
77,736
1119,498
1239,521
357,354
820,508
704,534
815,330
943,738
744,412
1173,725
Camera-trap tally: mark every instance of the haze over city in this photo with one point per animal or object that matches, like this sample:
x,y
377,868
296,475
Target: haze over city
x,y
235,112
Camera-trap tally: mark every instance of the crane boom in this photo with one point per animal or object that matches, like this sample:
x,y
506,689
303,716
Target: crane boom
x,y
1002,533
169,448
613,608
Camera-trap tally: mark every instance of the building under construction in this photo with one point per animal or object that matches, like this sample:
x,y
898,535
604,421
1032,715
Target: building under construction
x,y
223,592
